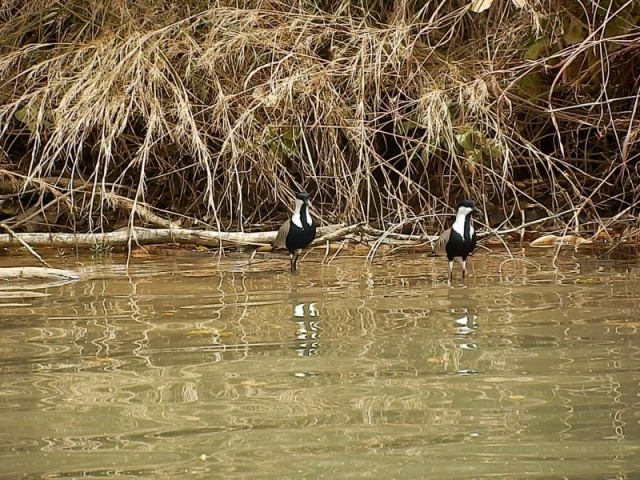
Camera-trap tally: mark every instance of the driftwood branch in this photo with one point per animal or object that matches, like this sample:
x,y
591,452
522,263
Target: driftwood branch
x,y
62,187
24,244
147,236
53,184
499,233
39,273
140,209
338,234
399,236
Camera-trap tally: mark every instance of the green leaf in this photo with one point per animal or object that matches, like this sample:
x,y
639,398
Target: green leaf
x,y
534,51
464,140
469,140
288,139
21,115
492,149
617,26
574,33
29,116
592,58
530,84
603,8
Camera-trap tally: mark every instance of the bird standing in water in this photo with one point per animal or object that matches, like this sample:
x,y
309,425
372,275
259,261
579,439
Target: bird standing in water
x,y
298,231
459,240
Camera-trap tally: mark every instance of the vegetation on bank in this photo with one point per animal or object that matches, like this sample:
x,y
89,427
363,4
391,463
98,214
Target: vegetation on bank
x,y
211,114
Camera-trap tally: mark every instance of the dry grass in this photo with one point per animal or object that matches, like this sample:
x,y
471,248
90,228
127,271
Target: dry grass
x,y
216,113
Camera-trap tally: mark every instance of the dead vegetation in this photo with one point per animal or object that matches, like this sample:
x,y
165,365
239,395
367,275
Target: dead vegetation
x,y
210,114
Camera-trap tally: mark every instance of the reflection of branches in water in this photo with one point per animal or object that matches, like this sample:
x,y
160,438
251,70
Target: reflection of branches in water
x,y
582,402
178,351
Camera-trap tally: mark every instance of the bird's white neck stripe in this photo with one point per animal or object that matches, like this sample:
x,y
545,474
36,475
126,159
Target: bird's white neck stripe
x,y
296,217
458,225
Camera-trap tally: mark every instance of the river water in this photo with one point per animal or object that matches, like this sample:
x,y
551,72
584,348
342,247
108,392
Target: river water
x,y
209,368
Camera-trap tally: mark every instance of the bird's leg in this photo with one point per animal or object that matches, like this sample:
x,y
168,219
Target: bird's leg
x,y
450,269
292,262
464,267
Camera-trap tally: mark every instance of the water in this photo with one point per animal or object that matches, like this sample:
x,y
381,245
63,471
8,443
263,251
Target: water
x,y
190,368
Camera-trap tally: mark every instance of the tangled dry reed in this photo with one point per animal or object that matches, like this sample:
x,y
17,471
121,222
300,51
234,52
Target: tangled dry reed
x,y
213,113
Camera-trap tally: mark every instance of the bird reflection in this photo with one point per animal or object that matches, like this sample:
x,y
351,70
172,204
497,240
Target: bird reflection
x,y
465,325
305,315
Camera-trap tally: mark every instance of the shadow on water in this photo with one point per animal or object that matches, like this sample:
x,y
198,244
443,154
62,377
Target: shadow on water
x,y
197,369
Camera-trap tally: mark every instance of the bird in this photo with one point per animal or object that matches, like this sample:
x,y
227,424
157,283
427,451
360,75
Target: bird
x,y
298,231
459,240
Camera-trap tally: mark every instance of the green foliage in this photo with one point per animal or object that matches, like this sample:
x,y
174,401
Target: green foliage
x,y
574,31
29,116
100,250
478,147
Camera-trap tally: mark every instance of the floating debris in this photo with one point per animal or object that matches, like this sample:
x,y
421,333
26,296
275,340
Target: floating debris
x,y
554,240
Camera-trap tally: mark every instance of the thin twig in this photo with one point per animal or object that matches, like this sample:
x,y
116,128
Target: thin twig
x,y
25,245
491,232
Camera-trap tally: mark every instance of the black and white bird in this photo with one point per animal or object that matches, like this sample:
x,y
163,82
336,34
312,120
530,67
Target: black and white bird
x,y
460,240
298,231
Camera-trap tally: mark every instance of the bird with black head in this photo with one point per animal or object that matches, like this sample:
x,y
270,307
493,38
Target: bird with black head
x,y
298,231
459,240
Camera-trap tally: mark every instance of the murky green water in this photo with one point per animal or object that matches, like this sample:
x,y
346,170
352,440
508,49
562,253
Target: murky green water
x,y
183,368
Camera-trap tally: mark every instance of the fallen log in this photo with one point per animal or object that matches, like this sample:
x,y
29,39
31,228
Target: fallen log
x,y
147,236
39,273
138,236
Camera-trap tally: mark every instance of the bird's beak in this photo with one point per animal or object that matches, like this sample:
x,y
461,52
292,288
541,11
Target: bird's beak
x,y
477,210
